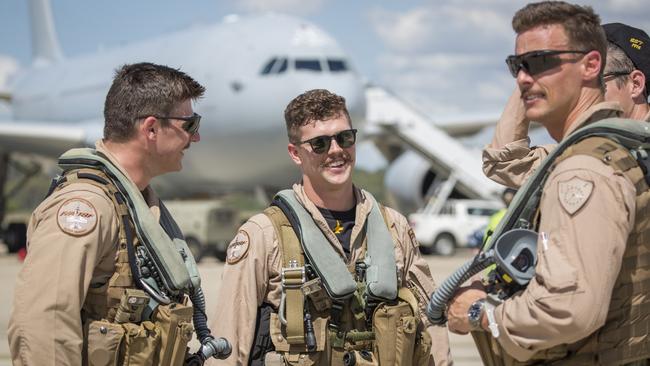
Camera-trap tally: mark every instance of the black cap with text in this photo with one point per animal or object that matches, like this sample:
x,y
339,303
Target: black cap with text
x,y
635,43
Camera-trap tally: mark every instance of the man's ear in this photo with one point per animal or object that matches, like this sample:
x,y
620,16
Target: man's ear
x,y
293,153
592,62
637,81
149,128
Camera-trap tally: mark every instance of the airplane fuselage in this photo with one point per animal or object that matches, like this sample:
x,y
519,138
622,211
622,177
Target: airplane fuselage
x,y
243,135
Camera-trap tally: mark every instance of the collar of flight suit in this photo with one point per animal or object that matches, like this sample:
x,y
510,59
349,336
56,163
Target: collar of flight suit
x,y
149,195
363,207
595,113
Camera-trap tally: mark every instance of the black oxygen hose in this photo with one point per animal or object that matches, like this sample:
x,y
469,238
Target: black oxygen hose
x,y
440,298
210,347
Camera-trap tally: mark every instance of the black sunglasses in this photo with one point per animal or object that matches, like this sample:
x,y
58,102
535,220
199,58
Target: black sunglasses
x,y
191,124
321,144
536,62
616,74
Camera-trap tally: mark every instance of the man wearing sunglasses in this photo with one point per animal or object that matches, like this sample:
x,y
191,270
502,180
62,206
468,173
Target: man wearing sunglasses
x,y
509,160
585,304
78,268
257,303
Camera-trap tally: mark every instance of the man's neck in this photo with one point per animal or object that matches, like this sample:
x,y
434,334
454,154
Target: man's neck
x,y
589,98
335,200
640,111
131,159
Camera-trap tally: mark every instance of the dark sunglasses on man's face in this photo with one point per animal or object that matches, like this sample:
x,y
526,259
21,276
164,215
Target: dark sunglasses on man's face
x,y
190,125
536,62
321,144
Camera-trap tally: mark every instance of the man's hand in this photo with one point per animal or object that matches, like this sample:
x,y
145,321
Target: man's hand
x,y
459,306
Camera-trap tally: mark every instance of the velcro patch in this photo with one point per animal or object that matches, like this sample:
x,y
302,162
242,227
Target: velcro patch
x,y
238,247
574,193
77,217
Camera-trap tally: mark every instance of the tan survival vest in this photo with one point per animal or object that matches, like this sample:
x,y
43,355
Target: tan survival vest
x,y
115,331
384,334
625,337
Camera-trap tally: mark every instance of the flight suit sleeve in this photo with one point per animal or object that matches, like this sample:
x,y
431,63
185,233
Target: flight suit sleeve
x,y
509,159
418,277
244,285
587,214
69,234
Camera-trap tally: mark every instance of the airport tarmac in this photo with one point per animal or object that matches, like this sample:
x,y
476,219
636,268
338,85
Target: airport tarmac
x,y
462,347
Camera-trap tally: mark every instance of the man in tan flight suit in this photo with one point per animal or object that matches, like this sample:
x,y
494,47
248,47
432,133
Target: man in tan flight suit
x,y
509,159
585,302
321,143
73,234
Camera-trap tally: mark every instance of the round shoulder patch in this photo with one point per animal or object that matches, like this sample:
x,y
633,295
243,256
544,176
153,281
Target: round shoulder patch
x,y
77,217
238,247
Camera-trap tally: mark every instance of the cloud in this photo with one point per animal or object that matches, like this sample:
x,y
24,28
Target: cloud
x,y
446,26
296,7
448,57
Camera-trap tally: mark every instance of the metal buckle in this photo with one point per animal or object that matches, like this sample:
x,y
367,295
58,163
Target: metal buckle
x,y
293,276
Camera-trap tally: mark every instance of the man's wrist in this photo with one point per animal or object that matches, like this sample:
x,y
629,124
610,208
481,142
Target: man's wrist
x,y
475,314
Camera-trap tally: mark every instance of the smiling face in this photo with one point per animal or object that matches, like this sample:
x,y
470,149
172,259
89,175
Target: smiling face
x,y
330,171
173,140
550,96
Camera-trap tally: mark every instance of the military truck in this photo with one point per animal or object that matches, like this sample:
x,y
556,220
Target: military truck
x,y
207,224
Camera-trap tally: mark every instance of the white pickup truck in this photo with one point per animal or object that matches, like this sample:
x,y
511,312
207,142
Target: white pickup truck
x,y
443,231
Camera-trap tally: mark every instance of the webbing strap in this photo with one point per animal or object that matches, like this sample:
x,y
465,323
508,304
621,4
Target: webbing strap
x,y
123,277
293,275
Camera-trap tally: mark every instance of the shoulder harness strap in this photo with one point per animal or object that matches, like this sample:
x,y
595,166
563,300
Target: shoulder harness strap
x,y
293,275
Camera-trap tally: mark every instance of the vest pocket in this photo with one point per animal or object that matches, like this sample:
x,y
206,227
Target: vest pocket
x,y
104,341
175,324
395,330
142,343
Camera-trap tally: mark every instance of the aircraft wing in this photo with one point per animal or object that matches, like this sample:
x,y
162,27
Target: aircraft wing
x,y
47,138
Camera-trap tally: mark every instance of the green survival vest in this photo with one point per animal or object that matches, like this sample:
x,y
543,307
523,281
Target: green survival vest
x,y
623,340
361,315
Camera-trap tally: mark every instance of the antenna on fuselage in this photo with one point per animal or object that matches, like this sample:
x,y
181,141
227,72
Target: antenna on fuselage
x,y
45,43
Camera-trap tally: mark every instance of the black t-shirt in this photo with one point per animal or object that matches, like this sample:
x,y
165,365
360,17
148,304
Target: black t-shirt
x,y
341,224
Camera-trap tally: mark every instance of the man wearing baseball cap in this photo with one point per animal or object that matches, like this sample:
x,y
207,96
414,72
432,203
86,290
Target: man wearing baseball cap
x,y
627,71
510,160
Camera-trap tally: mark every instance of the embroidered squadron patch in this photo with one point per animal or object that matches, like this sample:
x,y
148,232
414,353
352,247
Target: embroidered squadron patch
x,y
76,217
574,193
237,248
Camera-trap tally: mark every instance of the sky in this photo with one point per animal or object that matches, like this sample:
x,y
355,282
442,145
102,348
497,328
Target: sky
x,y
446,56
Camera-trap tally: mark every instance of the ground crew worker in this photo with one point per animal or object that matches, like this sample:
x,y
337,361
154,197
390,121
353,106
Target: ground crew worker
x,y
338,223
587,303
510,160
74,281
506,196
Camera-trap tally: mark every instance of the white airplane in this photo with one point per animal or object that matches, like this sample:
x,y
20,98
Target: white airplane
x,y
251,68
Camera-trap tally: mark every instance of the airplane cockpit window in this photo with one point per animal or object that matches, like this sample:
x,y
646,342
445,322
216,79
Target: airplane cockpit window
x,y
308,64
282,66
337,65
279,65
275,66
267,68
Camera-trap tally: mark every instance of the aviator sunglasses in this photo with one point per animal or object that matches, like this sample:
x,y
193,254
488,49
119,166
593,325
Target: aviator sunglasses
x,y
190,125
321,144
536,62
